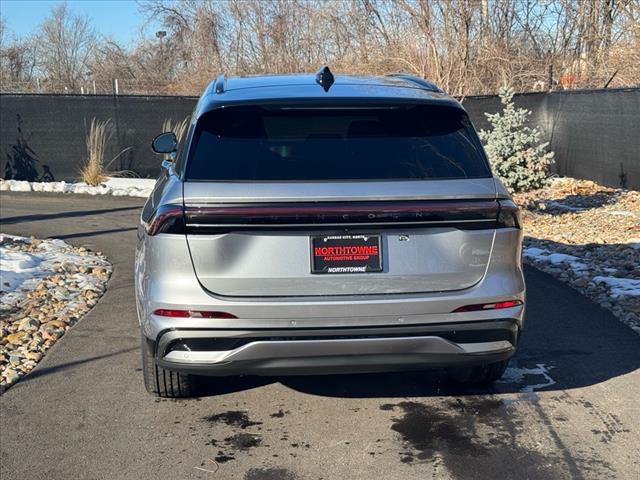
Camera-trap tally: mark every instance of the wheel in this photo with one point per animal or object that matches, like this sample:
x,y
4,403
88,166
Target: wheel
x,y
479,374
162,382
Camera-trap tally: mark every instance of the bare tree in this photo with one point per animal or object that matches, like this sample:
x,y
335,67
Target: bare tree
x,y
18,59
466,46
67,43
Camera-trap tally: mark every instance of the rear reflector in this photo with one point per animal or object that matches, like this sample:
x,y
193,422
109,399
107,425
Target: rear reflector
x,y
192,314
488,306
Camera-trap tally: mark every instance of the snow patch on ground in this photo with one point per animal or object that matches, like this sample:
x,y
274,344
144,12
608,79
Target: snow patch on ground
x,y
119,187
16,268
620,286
22,271
554,258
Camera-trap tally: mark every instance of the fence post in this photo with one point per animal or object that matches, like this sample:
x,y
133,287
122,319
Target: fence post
x,y
94,87
115,86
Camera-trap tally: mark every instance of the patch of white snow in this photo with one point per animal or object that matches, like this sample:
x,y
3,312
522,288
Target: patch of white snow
x,y
554,258
620,286
129,187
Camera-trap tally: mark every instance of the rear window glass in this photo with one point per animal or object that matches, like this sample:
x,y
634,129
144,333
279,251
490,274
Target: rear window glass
x,y
256,144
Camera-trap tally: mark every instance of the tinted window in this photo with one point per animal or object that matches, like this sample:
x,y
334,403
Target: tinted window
x,y
335,144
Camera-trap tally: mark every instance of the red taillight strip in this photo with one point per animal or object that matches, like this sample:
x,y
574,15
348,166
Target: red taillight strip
x,y
162,312
166,219
342,212
488,306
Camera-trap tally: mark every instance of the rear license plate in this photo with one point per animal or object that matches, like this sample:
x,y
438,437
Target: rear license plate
x,y
346,254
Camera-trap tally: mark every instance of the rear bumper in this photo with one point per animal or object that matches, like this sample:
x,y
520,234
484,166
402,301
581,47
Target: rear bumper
x,y
325,334
323,351
165,279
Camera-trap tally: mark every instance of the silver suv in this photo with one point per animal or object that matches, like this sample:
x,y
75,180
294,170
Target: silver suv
x,y
311,224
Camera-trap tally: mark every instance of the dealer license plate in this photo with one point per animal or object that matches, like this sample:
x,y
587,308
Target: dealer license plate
x,y
346,254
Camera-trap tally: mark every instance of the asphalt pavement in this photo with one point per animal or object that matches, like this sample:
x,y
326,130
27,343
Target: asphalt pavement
x,y
569,407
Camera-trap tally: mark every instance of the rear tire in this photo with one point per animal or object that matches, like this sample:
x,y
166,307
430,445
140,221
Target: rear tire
x,y
479,375
162,382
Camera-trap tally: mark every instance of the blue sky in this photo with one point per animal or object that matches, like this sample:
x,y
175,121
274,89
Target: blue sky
x,y
119,19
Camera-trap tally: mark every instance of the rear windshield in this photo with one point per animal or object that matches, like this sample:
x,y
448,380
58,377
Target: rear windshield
x,y
256,144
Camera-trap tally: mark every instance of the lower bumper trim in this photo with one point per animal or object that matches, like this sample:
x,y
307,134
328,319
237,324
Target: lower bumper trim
x,y
329,351
344,347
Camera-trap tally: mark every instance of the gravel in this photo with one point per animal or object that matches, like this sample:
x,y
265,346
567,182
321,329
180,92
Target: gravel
x,y
588,236
46,287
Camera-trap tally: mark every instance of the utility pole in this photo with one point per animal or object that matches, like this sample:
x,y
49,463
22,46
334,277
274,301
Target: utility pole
x,y
160,35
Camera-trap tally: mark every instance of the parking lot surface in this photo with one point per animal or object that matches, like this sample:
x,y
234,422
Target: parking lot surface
x,y
568,406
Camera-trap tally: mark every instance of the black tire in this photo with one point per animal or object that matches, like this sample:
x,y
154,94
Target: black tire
x,y
162,382
479,374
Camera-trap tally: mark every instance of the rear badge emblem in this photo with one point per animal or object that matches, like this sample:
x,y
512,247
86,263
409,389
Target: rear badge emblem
x,y
403,238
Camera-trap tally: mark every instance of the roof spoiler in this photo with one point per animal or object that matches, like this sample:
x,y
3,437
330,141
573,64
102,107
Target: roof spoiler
x,y
421,82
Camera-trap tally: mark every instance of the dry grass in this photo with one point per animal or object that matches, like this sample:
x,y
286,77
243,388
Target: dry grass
x,y
94,171
178,128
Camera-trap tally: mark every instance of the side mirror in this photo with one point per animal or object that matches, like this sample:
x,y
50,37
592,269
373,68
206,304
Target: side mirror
x,y
165,143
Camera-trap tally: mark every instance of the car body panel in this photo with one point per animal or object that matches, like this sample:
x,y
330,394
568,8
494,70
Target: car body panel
x,y
278,264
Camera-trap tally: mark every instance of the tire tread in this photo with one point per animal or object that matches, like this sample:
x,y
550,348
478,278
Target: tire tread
x,y
162,382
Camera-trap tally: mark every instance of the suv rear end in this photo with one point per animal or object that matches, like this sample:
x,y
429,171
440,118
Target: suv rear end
x,y
310,230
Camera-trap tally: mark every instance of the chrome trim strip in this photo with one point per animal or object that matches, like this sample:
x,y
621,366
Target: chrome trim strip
x,y
260,350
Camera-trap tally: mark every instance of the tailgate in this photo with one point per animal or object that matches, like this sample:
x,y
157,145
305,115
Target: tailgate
x,y
433,235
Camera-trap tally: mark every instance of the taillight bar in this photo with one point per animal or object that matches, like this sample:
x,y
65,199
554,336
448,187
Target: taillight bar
x,y
217,218
166,219
488,306
341,213
163,312
509,215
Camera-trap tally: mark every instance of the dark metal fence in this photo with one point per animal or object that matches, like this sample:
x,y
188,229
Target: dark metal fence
x,y
38,130
595,134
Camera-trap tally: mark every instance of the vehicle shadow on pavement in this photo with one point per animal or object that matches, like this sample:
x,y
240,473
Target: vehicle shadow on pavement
x,y
564,345
96,233
42,370
70,214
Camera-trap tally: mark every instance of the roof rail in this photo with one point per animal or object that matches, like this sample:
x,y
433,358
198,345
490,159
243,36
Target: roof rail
x,y
426,84
219,84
